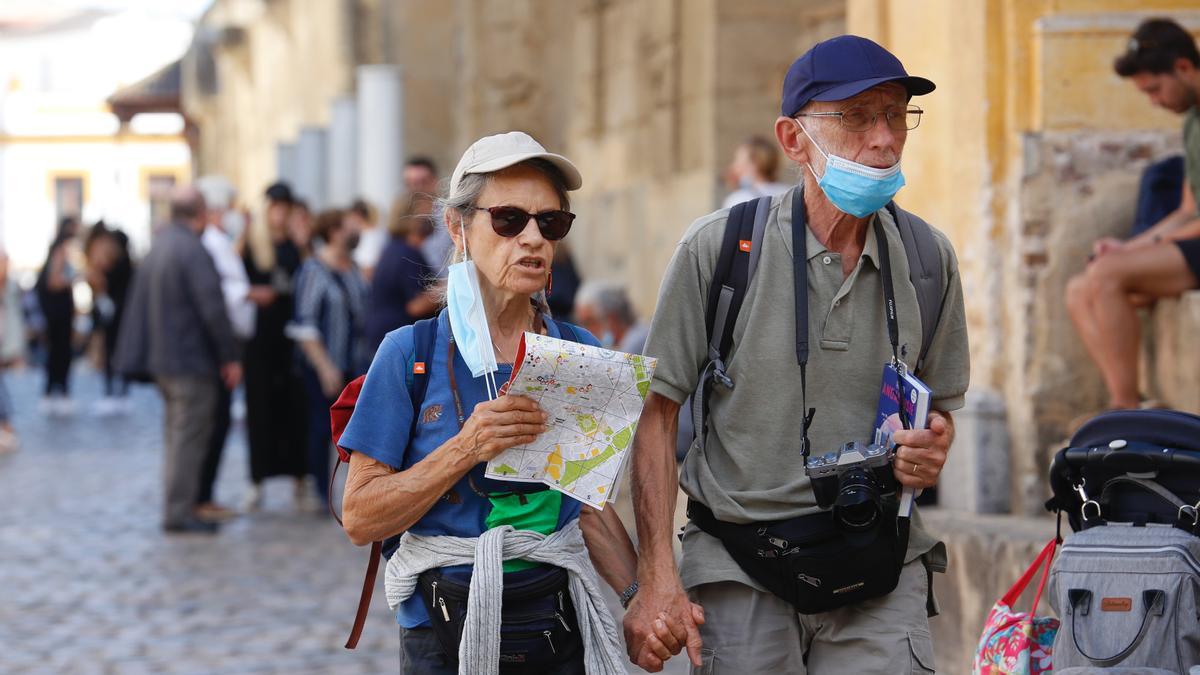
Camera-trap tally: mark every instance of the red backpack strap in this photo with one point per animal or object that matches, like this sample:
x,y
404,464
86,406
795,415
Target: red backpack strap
x,y
364,598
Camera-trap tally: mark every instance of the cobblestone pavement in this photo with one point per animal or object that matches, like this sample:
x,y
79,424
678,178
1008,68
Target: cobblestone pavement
x,y
90,584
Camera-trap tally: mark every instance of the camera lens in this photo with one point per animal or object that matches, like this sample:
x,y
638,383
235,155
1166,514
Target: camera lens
x,y
858,505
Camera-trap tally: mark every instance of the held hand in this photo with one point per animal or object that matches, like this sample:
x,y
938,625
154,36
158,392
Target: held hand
x,y
231,374
496,426
921,453
661,622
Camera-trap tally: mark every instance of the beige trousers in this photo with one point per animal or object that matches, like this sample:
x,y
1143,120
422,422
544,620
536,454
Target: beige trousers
x,y
748,631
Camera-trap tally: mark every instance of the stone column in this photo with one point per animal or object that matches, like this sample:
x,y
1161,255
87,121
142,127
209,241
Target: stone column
x,y
310,166
341,173
285,163
380,135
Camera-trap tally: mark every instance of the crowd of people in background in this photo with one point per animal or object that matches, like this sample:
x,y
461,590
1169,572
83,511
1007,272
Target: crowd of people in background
x,y
305,299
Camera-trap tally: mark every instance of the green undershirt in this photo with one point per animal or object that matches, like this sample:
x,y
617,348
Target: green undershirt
x,y
538,513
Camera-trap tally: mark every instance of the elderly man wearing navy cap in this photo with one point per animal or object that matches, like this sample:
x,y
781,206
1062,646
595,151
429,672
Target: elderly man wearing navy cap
x,y
781,314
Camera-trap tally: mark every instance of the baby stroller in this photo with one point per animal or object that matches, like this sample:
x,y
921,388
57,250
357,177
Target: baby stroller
x,y
1127,582
1130,466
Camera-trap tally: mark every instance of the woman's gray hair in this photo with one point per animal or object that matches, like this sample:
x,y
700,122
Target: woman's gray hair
x,y
466,198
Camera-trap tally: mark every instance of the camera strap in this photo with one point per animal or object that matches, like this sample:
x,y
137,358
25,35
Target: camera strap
x,y
800,273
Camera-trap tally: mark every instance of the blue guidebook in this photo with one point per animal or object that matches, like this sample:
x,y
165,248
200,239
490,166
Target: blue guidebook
x,y
916,396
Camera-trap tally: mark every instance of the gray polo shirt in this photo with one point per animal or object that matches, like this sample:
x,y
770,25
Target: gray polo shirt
x,y
751,468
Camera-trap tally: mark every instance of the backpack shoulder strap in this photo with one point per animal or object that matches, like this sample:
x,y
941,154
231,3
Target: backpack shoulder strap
x,y
420,362
567,331
924,271
741,248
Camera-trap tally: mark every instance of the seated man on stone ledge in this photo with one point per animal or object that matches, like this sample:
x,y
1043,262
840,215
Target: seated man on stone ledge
x,y
1163,261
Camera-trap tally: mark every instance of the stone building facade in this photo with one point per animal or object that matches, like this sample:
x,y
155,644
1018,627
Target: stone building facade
x,y
1030,149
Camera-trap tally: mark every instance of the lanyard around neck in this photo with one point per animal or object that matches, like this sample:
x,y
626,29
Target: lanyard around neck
x,y
800,273
539,325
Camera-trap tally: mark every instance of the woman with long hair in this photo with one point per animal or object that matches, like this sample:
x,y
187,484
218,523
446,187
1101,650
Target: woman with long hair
x,y
274,406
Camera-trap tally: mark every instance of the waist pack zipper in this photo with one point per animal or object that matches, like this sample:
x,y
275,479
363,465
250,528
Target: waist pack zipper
x,y
445,612
551,641
562,621
1135,550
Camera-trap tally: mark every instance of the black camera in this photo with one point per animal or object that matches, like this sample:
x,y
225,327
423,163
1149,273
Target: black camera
x,y
854,481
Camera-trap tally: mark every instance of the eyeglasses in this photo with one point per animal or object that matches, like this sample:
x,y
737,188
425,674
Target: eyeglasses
x,y
859,120
509,221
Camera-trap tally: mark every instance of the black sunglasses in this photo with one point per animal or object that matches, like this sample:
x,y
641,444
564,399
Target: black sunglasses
x,y
509,221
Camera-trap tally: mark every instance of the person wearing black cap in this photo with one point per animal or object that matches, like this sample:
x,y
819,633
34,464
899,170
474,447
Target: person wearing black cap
x,y
846,115
1162,61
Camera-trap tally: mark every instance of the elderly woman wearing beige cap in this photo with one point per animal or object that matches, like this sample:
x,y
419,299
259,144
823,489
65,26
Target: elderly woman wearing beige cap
x,y
417,467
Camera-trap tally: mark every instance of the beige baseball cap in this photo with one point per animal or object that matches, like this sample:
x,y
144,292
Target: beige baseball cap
x,y
492,153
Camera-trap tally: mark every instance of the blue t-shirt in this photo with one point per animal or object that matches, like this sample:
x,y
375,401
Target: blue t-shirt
x,y
382,422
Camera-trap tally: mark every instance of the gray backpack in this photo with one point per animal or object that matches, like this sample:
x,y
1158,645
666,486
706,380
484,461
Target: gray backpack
x,y
1129,600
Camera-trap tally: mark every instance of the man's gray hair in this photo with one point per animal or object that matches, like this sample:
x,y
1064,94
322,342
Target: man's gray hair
x,y
609,298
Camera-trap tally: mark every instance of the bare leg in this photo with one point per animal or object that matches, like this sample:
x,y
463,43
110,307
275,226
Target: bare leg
x,y
1117,280
1081,310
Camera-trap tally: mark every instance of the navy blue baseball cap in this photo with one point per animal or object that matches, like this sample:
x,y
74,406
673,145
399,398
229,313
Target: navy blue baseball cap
x,y
841,67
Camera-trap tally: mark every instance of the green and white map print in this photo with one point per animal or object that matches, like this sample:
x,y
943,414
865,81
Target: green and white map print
x,y
593,397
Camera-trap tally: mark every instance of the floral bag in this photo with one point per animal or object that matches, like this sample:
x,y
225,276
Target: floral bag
x,y
1017,643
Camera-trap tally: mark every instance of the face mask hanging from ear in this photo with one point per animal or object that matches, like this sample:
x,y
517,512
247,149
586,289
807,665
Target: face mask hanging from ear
x,y
854,188
468,319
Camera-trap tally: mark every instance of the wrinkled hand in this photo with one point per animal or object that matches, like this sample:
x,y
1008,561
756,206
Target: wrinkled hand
x,y
231,374
496,426
921,453
660,623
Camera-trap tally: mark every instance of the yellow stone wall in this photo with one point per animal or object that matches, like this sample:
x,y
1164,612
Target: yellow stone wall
x,y
1030,149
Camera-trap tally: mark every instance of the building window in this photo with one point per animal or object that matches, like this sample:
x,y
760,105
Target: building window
x,y
158,188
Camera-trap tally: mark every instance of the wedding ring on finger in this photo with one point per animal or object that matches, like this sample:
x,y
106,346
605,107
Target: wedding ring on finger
x,y
916,468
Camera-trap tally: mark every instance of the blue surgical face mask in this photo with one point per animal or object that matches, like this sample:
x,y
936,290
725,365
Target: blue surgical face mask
x,y
468,318
607,340
854,188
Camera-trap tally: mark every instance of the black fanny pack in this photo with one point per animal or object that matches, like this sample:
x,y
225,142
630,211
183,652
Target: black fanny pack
x,y
538,623
811,562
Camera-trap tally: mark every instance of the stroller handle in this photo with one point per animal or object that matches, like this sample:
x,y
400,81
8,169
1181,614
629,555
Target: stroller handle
x,y
1134,458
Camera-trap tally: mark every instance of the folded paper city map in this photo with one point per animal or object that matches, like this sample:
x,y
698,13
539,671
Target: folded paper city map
x,y
593,397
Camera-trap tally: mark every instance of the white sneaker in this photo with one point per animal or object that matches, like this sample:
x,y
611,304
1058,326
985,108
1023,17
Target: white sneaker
x,y
252,500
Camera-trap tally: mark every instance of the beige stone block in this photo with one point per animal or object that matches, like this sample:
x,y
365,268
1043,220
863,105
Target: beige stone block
x,y
1173,354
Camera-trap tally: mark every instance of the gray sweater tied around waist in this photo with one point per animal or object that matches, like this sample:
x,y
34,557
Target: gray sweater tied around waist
x,y
479,650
